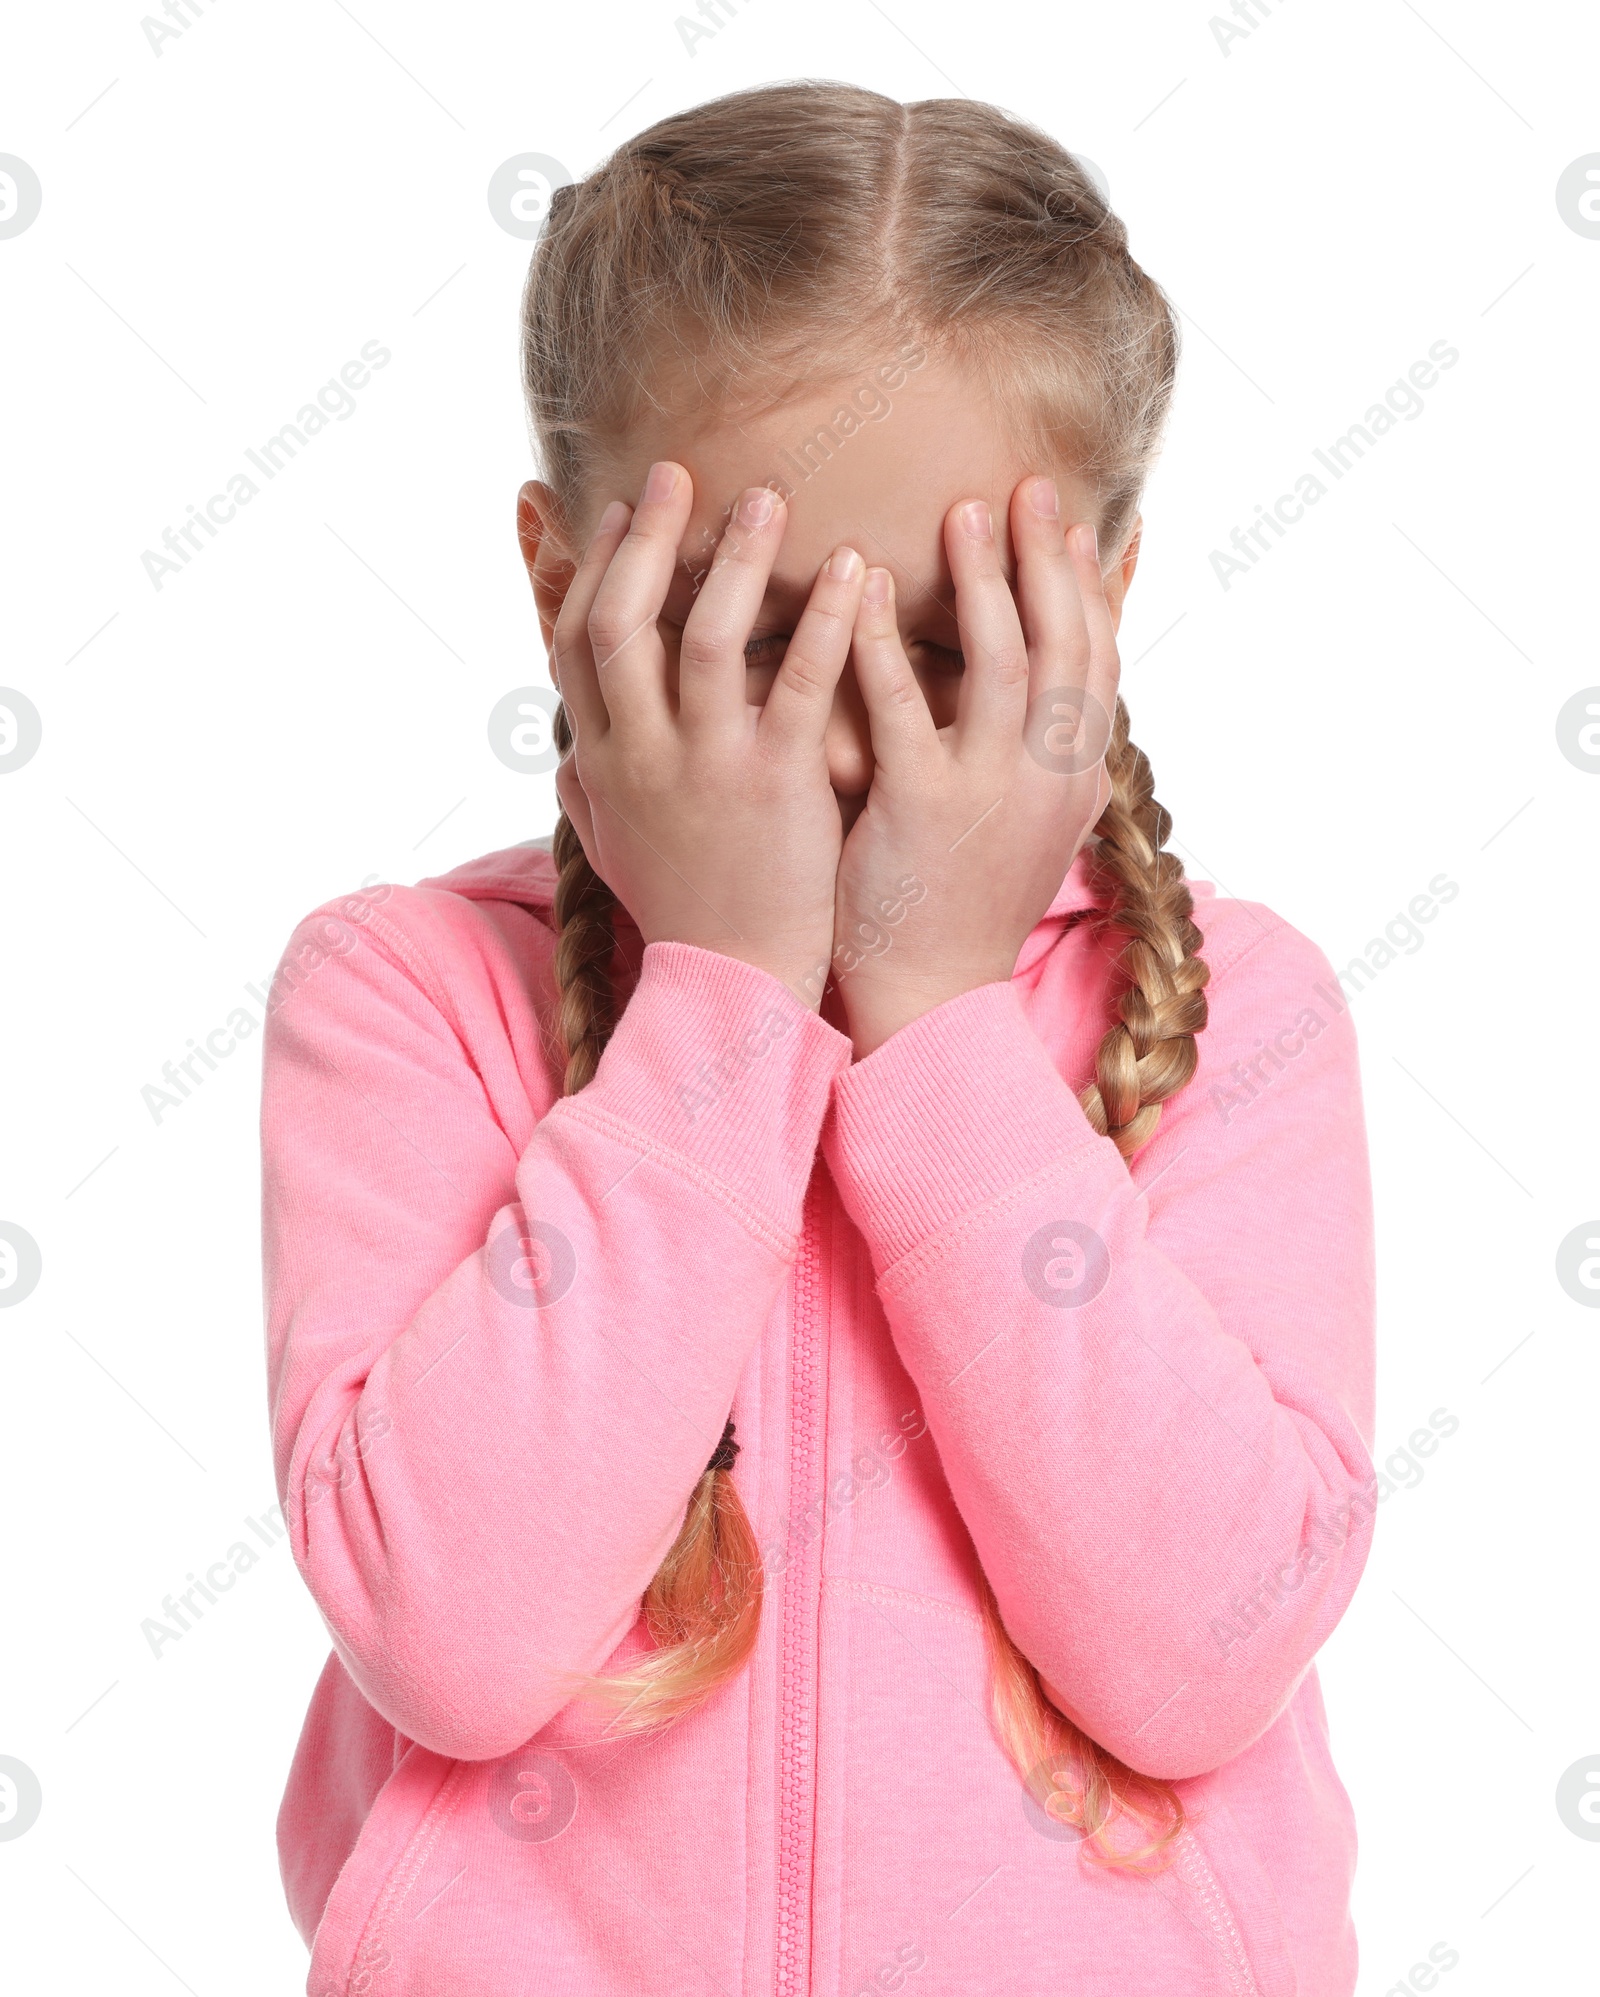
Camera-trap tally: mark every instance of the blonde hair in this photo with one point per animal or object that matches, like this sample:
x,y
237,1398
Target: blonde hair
x,y
716,257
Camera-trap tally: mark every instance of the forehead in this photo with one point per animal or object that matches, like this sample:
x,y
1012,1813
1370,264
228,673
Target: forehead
x,y
875,459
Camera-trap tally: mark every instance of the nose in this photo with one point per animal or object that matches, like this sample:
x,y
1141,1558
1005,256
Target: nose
x,y
847,740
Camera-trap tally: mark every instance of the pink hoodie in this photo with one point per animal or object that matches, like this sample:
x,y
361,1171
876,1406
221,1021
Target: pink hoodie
x,y
505,1329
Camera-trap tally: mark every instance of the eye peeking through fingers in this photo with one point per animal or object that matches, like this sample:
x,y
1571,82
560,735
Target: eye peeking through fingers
x,y
767,650
943,659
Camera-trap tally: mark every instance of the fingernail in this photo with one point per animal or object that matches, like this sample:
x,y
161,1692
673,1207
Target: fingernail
x,y
662,482
1089,540
755,509
877,589
613,517
1042,497
843,563
975,519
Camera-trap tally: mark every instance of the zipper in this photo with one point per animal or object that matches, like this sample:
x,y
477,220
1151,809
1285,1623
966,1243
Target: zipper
x,y
1195,1870
797,1692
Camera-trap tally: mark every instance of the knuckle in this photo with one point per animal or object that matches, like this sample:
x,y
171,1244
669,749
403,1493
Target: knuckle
x,y
803,675
702,646
738,544
569,788
981,568
830,615
606,627
1008,665
652,519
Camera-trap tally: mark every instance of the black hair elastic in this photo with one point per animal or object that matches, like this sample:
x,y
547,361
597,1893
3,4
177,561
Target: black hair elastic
x,y
727,1449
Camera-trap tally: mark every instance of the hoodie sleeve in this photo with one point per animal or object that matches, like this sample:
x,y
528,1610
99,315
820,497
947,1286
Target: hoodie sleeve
x,y
1151,1392
500,1357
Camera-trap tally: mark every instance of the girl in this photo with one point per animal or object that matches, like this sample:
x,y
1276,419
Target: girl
x,y
821,1352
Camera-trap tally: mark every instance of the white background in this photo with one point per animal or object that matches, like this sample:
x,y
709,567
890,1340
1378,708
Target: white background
x,y
224,225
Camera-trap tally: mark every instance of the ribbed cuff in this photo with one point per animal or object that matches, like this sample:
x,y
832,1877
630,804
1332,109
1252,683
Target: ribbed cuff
x,y
946,1115
720,1064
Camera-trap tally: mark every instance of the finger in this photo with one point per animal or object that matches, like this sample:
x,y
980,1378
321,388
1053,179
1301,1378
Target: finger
x,y
628,655
1048,597
711,658
1105,664
575,803
1066,734
897,714
571,658
797,709
1104,791
993,697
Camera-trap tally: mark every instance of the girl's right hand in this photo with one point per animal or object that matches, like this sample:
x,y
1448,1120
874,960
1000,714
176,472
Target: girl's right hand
x,y
711,820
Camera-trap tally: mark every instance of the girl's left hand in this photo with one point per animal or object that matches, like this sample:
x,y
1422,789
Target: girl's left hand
x,y
968,831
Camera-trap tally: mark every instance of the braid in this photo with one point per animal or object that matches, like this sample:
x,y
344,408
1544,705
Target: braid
x,y
1149,1054
703,1605
668,193
586,941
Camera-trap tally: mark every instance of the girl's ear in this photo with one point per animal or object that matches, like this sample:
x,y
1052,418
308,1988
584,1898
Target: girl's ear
x,y
1122,575
544,552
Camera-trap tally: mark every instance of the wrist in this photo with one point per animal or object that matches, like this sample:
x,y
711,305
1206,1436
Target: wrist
x,y
876,1008
804,974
